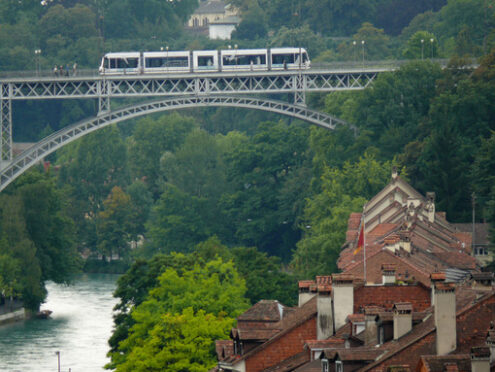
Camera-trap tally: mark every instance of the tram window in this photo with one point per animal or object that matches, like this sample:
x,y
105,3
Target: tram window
x,y
244,60
123,63
279,59
205,61
305,57
177,62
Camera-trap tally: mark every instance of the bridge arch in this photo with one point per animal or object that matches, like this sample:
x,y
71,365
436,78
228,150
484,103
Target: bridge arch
x,y
46,146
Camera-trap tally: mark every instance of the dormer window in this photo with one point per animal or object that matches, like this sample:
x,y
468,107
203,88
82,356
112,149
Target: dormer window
x,y
324,365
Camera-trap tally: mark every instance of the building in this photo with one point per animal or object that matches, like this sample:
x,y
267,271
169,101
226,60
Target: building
x,y
422,303
215,19
401,228
341,324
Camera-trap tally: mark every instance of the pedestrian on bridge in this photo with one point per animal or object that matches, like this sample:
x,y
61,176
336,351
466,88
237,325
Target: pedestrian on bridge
x,y
55,70
74,69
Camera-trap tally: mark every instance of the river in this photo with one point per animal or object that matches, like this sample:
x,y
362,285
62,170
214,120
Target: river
x,y
79,329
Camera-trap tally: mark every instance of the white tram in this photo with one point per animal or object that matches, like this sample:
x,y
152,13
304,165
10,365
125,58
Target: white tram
x,y
204,61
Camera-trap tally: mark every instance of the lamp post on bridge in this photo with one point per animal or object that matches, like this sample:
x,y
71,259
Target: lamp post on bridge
x,y
431,44
422,48
354,50
362,44
37,54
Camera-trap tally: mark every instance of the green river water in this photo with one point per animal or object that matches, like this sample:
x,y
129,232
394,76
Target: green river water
x,y
79,328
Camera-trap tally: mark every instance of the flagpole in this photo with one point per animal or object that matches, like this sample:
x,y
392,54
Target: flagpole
x,y
364,244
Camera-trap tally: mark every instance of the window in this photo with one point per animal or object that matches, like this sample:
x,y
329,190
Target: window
x,y
339,367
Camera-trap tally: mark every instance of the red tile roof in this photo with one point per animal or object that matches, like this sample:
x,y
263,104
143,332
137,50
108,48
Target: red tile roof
x,y
264,310
443,363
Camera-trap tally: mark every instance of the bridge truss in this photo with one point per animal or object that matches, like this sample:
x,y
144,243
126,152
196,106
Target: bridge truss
x,y
186,90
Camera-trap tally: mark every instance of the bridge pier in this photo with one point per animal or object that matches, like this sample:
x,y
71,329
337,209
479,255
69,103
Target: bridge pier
x,y
103,97
299,84
5,125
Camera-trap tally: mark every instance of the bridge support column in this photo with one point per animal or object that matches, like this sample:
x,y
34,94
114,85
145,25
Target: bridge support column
x,y
5,125
103,97
299,84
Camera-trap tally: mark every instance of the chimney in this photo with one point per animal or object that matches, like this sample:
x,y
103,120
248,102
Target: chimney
x,y
480,359
437,277
324,326
402,319
490,341
343,298
370,325
388,274
307,290
395,174
445,320
430,206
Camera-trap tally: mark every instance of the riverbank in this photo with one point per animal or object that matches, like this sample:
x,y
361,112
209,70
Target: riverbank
x,y
12,317
97,266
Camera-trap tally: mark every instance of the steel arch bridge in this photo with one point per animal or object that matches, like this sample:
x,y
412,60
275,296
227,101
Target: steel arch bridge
x,y
178,91
66,135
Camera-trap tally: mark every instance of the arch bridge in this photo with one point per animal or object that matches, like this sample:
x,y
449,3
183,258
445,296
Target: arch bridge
x,y
176,91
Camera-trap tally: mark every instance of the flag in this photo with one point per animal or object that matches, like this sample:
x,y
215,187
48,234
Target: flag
x,y
360,243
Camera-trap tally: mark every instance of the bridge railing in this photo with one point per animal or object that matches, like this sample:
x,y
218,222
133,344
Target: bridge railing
x,y
383,65
48,73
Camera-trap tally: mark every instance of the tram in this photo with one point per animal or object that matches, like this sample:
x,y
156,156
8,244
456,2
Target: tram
x,y
164,62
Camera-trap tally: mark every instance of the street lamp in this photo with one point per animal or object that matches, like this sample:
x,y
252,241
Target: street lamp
x,y
57,353
354,50
37,53
431,44
362,44
422,45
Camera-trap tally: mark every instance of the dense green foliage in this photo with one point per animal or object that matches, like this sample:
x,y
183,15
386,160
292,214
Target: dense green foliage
x,y
36,239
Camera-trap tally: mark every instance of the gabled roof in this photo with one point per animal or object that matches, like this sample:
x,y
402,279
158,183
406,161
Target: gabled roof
x,y
265,311
291,321
211,7
290,363
438,363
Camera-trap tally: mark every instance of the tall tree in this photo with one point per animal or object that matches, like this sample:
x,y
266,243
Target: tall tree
x,y
195,307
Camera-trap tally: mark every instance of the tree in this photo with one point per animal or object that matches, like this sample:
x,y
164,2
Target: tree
x,y
420,46
342,191
264,276
91,167
132,290
299,37
259,171
176,223
177,313
395,107
150,140
115,225
48,227
253,24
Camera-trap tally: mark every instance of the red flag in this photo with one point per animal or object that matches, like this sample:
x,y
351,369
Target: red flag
x,y
360,243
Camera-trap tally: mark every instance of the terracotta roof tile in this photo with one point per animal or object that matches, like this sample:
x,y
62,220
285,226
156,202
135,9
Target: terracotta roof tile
x,y
264,310
355,318
224,348
354,354
306,283
441,363
289,364
314,366
325,344
437,276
